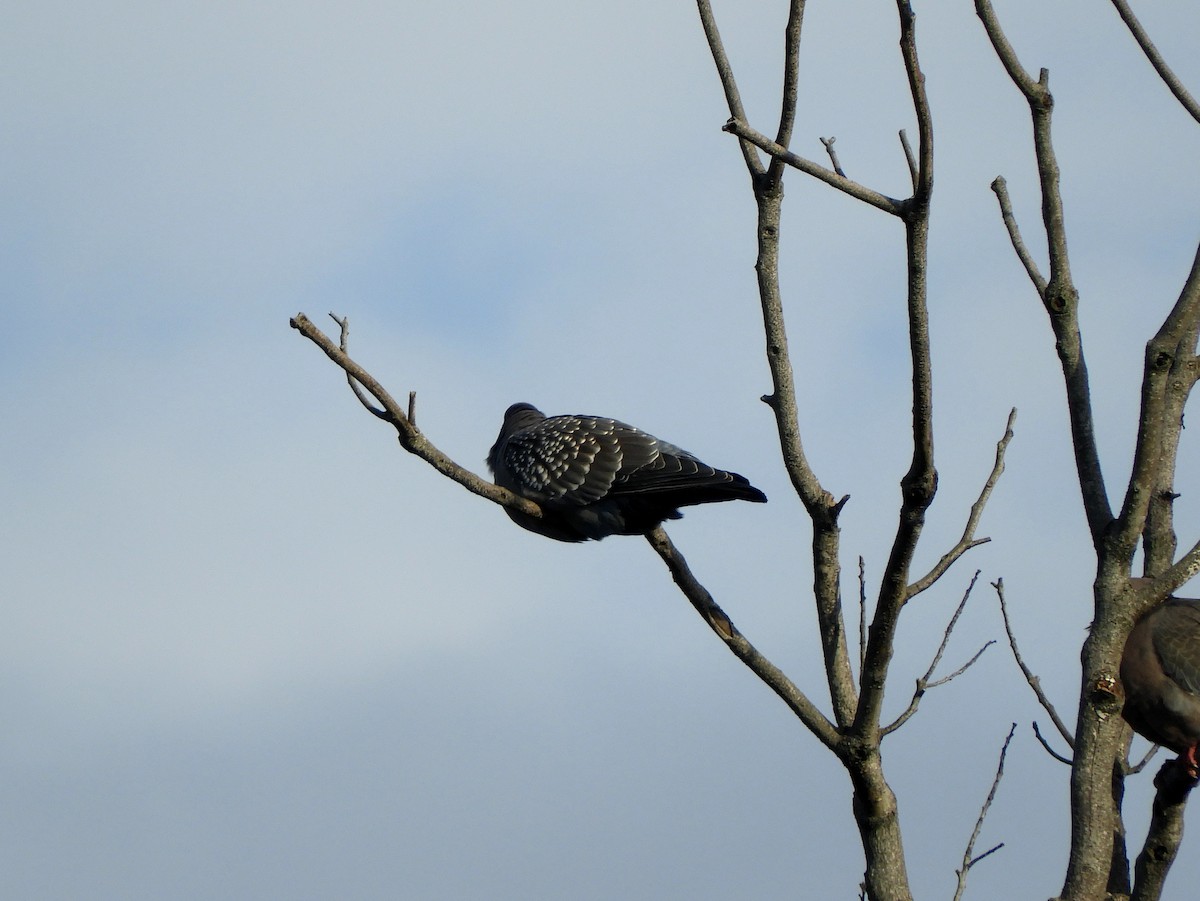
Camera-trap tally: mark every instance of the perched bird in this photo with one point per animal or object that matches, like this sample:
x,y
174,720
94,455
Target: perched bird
x,y
595,477
1160,670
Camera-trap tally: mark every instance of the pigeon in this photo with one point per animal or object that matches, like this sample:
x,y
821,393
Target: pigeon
x,y
594,477
1160,671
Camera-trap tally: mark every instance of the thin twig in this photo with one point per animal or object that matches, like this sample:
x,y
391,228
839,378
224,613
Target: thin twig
x,y
833,157
343,341
1034,682
937,657
909,157
968,860
1142,764
1000,189
862,614
1037,732
962,669
968,539
924,683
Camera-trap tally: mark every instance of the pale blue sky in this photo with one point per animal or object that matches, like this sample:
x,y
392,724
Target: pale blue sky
x,y
253,650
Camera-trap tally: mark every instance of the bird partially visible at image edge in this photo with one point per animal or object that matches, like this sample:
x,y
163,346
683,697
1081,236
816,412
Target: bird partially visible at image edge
x,y
1160,673
594,477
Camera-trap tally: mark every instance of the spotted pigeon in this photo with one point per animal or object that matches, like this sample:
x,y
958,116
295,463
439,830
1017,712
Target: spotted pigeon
x,y
594,477
1160,670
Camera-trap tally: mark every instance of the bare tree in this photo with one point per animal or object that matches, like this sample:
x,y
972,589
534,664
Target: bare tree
x,y
854,728
1098,861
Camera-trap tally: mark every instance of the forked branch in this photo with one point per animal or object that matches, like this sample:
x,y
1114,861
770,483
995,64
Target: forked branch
x,y
1000,188
1057,293
821,505
737,126
968,539
791,80
411,438
970,858
919,484
1168,377
733,97
927,681
775,679
365,387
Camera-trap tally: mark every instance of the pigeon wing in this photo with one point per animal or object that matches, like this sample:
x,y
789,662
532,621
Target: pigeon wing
x,y
1177,643
576,459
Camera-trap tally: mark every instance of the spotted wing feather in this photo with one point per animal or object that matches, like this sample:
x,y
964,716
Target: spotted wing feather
x,y
595,477
576,459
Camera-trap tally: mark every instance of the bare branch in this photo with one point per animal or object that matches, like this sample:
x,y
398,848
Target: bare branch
x,y
1046,744
1000,187
791,81
411,438
968,860
1032,89
1181,573
862,614
924,683
1170,79
738,126
1165,834
1169,356
1144,762
733,98
909,158
923,180
1034,682
1160,542
775,679
919,484
833,157
968,539
343,339
822,509
1059,297
966,666
937,657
